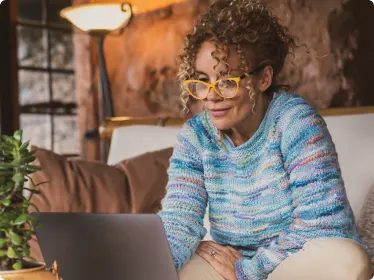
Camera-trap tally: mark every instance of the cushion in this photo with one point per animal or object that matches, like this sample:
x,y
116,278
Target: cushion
x,y
133,140
147,178
79,186
95,187
355,147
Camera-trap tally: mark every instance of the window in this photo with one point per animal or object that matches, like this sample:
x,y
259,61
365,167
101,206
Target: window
x,y
46,80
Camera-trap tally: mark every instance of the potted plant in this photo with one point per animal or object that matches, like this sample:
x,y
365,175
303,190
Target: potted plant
x,y
16,225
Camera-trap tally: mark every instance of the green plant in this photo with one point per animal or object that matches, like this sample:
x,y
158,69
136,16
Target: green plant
x,y
16,225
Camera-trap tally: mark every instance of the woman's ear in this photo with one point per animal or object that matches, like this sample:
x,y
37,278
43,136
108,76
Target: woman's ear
x,y
266,78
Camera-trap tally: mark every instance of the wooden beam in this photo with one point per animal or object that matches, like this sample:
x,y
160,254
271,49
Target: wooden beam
x,y
9,107
347,111
108,126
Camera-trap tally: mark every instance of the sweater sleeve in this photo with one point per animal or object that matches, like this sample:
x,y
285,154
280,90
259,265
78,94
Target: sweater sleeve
x,y
320,205
183,207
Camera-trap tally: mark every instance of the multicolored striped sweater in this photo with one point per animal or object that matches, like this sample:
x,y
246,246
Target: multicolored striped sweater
x,y
266,197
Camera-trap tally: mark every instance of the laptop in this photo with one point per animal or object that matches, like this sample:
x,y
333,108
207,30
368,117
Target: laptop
x,y
106,246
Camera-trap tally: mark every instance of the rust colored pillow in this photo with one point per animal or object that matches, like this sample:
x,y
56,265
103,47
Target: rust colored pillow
x,y
147,178
95,187
79,186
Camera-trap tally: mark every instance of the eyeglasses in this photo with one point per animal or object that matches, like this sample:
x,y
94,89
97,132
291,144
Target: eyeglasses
x,y
225,87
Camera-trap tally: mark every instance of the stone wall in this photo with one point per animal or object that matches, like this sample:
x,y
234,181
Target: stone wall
x,y
333,71
336,71
329,72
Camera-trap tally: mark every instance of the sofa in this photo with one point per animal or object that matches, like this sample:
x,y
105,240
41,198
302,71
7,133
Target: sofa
x,y
353,136
133,179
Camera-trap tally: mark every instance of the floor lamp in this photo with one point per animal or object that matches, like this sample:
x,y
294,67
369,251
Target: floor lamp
x,y
99,19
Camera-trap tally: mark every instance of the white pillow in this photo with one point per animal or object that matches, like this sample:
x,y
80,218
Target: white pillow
x,y
134,140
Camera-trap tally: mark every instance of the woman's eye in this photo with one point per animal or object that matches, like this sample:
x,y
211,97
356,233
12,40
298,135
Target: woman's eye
x,y
205,80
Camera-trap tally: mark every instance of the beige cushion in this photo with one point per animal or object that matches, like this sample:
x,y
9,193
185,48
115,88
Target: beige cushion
x,y
131,141
353,136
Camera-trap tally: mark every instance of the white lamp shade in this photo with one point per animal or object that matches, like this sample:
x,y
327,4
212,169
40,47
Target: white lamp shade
x,y
98,17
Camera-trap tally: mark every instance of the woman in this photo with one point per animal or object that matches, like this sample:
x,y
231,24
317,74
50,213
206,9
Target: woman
x,y
261,157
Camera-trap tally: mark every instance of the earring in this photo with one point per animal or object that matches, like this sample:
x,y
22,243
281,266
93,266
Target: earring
x,y
220,135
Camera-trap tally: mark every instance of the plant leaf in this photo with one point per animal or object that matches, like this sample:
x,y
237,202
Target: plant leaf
x,y
6,165
3,253
26,203
7,148
2,242
18,177
24,160
6,202
33,168
20,220
25,145
4,173
10,140
31,218
11,253
7,188
18,135
31,152
26,250
16,239
17,265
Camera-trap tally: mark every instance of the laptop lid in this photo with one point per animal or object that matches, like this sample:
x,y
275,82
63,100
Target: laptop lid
x,y
106,246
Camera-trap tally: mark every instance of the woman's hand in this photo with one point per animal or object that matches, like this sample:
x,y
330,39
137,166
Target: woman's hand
x,y
222,258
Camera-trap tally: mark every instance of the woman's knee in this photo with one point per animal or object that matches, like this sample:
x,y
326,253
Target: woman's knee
x,y
343,249
327,258
346,254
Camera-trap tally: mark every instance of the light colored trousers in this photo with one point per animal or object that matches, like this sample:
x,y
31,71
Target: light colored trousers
x,y
320,259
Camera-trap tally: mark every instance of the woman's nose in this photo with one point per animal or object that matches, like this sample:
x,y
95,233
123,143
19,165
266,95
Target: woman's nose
x,y
213,96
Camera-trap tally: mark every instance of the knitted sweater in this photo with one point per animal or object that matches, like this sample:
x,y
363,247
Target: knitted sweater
x,y
267,197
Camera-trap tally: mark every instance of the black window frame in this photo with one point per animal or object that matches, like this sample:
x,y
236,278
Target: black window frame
x,y
51,108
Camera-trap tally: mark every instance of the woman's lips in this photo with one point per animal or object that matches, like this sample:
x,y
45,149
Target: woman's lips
x,y
219,113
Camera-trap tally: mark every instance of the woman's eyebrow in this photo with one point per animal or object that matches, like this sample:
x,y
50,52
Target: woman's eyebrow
x,y
223,73
200,72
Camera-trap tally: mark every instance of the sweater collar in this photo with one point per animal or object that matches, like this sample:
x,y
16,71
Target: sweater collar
x,y
242,154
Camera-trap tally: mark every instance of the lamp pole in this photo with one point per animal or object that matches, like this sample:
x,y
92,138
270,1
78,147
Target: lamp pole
x,y
105,110
105,86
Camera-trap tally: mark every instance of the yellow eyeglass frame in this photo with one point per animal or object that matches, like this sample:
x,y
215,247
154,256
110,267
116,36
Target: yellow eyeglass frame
x,y
213,86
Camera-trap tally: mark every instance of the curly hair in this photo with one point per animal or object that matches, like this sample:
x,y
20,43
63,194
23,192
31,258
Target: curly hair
x,y
249,26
